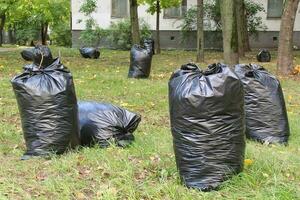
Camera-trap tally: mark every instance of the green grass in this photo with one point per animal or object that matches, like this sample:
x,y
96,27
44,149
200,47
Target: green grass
x,y
147,169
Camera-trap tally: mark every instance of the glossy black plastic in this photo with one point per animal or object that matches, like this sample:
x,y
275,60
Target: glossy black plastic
x,y
102,123
266,116
48,108
207,124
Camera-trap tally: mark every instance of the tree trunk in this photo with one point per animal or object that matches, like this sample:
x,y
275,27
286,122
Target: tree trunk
x,y
240,15
3,18
157,27
229,30
10,35
44,33
134,19
245,31
200,32
285,48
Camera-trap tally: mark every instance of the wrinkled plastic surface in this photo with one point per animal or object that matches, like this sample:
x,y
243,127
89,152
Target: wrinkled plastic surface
x,y
208,125
140,62
264,56
27,54
89,52
102,123
149,45
48,108
266,116
42,56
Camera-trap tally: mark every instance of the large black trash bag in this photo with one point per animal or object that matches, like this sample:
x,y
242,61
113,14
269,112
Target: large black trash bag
x,y
27,54
42,56
140,62
149,45
264,56
208,125
100,123
89,52
48,108
266,116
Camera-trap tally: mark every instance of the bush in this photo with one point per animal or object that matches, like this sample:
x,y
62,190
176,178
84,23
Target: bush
x,y
120,33
61,34
212,17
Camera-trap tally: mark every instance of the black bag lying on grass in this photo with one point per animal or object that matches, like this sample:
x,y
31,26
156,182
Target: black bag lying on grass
x,y
48,108
140,62
101,123
27,54
266,116
207,123
149,45
42,56
264,56
89,52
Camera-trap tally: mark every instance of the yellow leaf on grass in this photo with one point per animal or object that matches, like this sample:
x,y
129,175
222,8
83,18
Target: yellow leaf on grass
x,y
248,162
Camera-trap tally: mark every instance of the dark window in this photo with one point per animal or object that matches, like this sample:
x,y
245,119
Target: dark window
x,y
119,8
275,8
176,12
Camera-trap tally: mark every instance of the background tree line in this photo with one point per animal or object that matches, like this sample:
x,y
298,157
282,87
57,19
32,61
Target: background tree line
x,y
27,21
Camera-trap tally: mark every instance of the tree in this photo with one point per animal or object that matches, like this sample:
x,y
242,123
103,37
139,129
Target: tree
x,y
241,26
200,31
250,21
229,29
285,48
134,20
4,9
155,6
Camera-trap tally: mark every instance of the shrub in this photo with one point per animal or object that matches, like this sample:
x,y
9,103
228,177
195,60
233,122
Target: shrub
x,y
120,33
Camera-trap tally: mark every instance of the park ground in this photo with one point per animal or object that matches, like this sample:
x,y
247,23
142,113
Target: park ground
x,y
147,169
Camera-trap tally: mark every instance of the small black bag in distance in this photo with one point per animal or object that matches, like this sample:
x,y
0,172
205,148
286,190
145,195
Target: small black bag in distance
x,y
264,56
208,125
266,116
42,56
89,52
149,45
140,62
102,123
27,54
48,109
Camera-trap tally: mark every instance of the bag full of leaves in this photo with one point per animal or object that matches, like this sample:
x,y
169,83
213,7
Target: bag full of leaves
x,y
266,116
89,52
103,123
140,62
264,56
207,124
48,106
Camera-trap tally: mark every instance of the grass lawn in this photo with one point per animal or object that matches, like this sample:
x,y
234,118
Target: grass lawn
x,y
147,169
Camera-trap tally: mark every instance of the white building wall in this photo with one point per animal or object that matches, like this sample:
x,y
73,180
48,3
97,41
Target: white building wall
x,y
103,16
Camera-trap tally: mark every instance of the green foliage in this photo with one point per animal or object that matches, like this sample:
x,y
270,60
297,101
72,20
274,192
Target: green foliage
x,y
120,33
163,4
212,17
61,34
92,34
27,16
26,32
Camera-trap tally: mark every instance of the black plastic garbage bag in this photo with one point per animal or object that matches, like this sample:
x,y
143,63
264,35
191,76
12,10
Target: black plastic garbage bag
x,y
140,62
264,56
208,125
42,56
27,54
149,45
89,52
102,123
266,116
48,108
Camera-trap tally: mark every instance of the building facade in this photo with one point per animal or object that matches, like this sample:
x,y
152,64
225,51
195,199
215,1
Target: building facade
x,y
109,11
